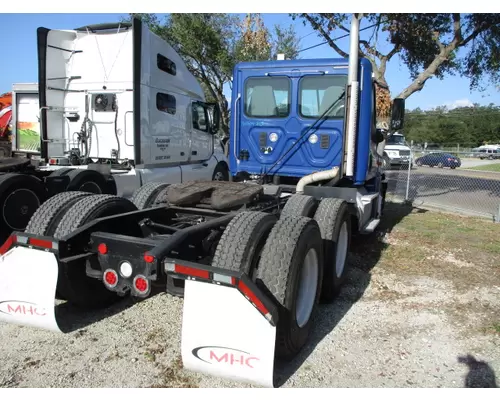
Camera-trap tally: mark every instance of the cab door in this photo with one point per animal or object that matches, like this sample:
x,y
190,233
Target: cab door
x,y
201,164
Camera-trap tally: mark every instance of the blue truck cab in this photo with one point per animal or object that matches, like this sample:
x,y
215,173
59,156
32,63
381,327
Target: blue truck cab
x,y
274,103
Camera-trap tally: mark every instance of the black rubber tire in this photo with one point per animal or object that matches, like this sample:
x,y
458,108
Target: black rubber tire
x,y
15,212
145,196
73,283
222,170
243,239
46,219
279,274
161,198
331,215
87,180
300,205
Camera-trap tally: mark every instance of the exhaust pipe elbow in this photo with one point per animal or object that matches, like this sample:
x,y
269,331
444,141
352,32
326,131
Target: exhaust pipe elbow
x,y
316,177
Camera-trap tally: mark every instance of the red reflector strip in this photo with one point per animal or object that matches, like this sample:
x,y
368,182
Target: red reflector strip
x,y
8,244
252,297
40,243
180,269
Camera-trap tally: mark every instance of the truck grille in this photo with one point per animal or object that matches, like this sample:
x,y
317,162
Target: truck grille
x,y
404,152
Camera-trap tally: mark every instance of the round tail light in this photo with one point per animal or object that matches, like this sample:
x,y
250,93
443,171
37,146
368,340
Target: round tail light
x,y
110,278
141,284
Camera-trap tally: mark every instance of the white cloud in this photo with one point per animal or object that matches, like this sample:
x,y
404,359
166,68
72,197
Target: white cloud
x,y
459,103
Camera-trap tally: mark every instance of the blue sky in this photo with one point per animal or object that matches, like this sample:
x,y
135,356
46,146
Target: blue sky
x,y
19,58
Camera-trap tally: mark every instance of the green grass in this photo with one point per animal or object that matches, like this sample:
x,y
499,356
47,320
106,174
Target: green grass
x,y
487,167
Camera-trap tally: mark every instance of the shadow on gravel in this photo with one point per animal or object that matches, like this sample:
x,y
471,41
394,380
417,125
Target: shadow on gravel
x,y
71,318
365,253
480,374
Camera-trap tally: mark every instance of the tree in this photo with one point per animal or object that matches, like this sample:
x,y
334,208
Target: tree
x,y
206,43
428,44
254,43
285,42
466,126
211,45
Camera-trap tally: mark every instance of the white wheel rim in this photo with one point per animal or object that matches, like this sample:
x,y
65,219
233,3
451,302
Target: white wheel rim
x,y
340,257
308,286
219,176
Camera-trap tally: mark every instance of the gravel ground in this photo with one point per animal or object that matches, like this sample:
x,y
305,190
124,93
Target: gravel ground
x,y
416,312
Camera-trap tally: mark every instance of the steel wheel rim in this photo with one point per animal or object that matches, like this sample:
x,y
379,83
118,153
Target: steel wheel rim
x,y
308,286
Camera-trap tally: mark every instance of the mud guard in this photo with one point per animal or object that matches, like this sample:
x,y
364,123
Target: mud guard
x,y
228,328
28,280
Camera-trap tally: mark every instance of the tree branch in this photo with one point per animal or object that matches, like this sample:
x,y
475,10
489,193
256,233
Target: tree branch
x,y
429,72
371,50
393,52
325,34
457,28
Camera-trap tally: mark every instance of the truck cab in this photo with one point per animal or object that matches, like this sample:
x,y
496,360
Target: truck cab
x,y
397,152
117,94
274,103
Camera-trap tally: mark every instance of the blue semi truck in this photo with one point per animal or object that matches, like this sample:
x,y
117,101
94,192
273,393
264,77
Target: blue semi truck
x,y
252,257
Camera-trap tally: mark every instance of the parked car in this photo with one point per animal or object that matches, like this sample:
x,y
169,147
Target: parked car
x,y
439,160
490,154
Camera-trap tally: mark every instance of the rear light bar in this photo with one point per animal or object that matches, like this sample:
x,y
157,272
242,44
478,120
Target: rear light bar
x,y
27,241
195,273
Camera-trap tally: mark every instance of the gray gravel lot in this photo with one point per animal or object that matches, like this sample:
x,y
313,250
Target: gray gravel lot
x,y
390,328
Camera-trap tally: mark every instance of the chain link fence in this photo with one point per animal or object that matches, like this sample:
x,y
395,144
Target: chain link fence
x,y
456,178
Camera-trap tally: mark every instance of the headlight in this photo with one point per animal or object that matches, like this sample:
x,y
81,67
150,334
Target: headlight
x,y
313,139
273,137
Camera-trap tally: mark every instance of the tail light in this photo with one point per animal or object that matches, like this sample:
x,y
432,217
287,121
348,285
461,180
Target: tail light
x,y
216,278
102,248
141,284
110,278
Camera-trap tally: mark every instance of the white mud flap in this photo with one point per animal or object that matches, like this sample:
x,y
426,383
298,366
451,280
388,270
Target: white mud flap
x,y
224,335
28,280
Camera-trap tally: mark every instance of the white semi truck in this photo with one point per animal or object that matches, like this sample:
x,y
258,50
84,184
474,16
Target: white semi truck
x,y
117,108
397,152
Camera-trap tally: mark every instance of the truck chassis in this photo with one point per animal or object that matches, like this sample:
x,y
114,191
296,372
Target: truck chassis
x,y
283,251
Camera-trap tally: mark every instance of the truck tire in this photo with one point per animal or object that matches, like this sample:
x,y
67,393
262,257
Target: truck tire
x,y
73,284
300,205
334,222
221,173
146,195
87,180
46,219
291,271
242,242
20,197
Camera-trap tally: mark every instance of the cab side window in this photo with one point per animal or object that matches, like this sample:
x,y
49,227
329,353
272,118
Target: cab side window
x,y
199,117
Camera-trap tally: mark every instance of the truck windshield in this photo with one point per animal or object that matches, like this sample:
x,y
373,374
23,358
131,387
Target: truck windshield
x,y
396,139
318,93
267,97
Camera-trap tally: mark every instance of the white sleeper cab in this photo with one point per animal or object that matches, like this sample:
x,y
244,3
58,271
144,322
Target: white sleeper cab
x,y
118,109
